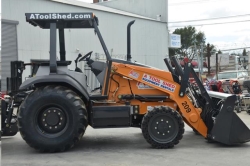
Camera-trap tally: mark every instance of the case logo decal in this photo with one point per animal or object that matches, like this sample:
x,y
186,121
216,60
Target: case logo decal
x,y
133,74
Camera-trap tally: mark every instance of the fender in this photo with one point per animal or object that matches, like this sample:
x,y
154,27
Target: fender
x,y
50,79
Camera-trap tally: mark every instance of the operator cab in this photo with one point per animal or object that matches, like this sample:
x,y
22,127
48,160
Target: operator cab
x,y
57,71
58,22
61,21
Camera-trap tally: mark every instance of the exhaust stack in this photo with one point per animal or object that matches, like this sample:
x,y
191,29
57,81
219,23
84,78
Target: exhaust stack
x,y
129,40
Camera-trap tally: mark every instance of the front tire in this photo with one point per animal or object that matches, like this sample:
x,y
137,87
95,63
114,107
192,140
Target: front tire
x,y
52,119
162,127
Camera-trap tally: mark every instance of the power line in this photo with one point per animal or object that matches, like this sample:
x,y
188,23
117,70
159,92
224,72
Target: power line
x,y
210,23
235,49
230,45
211,18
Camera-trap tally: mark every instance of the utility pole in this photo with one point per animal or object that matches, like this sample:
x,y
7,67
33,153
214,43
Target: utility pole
x,y
248,63
216,61
208,58
202,59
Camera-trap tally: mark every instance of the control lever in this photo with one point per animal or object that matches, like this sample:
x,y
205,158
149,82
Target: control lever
x,y
79,56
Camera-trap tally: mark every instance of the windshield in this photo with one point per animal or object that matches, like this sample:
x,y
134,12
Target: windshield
x,y
227,75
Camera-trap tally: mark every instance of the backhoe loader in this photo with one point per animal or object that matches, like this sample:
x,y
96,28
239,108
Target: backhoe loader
x,y
55,115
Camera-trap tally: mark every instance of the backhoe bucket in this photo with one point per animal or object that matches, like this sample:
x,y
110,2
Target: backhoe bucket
x,y
228,127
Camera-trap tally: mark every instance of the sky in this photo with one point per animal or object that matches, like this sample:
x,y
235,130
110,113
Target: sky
x,y
224,36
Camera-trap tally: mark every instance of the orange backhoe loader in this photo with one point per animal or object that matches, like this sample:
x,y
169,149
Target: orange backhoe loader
x,y
55,115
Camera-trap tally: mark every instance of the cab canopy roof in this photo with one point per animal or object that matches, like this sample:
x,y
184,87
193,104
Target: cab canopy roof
x,y
63,20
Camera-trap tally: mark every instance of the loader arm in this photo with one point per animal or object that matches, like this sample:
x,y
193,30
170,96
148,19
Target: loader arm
x,y
163,81
223,125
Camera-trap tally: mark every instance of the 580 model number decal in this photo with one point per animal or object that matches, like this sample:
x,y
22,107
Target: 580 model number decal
x,y
158,82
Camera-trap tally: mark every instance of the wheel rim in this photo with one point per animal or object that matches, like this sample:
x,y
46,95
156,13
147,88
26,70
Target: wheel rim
x,y
52,120
163,128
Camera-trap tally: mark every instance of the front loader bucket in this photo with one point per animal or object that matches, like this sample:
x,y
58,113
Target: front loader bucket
x,y
228,127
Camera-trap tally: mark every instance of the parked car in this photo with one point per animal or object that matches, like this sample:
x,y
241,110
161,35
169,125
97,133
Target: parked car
x,y
229,81
239,75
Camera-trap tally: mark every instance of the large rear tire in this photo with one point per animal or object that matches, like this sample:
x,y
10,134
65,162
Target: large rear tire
x,y
52,119
162,127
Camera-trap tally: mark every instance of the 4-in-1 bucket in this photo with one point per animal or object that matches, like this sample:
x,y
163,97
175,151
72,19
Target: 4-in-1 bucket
x,y
228,128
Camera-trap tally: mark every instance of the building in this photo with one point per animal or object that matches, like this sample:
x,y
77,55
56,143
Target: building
x,y
0,70
0,63
149,38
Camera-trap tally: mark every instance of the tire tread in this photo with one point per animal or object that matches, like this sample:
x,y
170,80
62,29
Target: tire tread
x,y
160,110
82,120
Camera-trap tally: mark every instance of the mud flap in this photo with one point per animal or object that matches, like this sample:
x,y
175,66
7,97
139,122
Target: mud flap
x,y
228,127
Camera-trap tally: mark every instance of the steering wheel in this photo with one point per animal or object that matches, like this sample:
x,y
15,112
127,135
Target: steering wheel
x,y
87,56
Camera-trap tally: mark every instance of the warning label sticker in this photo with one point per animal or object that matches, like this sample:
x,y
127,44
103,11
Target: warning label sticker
x,y
158,82
141,85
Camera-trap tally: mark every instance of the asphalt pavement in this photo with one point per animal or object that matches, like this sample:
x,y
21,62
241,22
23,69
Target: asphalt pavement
x,y
127,147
